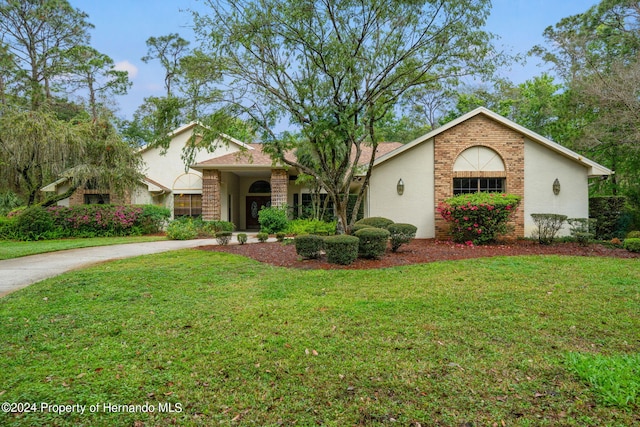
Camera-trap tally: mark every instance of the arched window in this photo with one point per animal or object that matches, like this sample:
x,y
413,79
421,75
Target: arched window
x,y
260,187
479,169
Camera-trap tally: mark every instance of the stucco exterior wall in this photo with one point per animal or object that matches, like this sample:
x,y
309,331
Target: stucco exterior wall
x,y
230,190
165,168
542,167
416,205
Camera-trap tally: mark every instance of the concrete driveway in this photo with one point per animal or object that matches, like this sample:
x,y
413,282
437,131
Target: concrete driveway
x,y
18,273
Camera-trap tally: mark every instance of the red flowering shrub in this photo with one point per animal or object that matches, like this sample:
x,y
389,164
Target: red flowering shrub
x,y
480,217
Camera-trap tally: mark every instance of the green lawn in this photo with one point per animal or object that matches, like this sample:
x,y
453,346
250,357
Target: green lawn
x,y
14,249
223,340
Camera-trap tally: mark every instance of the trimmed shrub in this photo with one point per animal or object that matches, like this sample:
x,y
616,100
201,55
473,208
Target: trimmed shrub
x,y
153,219
582,229
399,234
548,226
358,227
341,249
309,246
478,218
242,238
223,237
182,230
34,223
280,236
273,219
375,221
632,245
262,237
633,235
311,226
373,242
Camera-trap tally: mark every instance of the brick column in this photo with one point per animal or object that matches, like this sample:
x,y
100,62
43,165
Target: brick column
x,y
478,130
279,184
211,198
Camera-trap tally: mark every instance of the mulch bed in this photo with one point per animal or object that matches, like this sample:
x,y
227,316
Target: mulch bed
x,y
419,251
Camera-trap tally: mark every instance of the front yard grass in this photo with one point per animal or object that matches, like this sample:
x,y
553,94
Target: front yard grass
x,y
14,249
220,339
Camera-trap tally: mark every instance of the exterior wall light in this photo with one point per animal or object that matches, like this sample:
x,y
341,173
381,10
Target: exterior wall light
x,y
400,187
556,187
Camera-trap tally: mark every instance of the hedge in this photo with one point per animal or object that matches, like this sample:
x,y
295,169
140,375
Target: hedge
x,y
632,245
372,242
309,246
341,249
375,221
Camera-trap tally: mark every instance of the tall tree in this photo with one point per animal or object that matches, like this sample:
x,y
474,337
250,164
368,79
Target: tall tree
x,y
598,54
334,69
44,52
169,50
38,35
95,72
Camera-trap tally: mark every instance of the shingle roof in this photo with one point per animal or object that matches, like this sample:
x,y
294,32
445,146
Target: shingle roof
x,y
257,157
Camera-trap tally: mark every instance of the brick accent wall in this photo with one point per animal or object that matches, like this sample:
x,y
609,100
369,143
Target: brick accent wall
x,y
478,130
77,198
279,184
211,195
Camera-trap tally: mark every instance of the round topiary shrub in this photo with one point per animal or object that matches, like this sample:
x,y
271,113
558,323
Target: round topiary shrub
x,y
223,237
401,234
357,227
309,246
34,223
341,249
262,237
633,235
375,221
373,242
242,238
632,245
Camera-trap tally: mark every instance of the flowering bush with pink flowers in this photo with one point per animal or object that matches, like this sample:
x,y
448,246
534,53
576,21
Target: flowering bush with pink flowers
x,y
480,217
97,220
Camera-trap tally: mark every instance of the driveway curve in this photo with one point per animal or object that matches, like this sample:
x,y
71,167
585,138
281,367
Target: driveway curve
x,y
17,273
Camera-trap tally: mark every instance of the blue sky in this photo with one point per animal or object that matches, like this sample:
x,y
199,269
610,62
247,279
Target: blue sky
x,y
123,26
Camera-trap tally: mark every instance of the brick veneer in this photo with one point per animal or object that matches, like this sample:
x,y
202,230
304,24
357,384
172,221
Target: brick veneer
x,y
478,130
279,184
211,199
77,198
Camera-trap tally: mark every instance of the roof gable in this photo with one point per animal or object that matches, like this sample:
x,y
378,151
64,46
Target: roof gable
x,y
594,169
190,127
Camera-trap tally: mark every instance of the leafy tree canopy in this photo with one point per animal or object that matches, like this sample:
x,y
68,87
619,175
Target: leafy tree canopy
x,y
335,69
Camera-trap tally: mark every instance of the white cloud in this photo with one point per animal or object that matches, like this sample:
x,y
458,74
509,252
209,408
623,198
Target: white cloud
x,y
128,67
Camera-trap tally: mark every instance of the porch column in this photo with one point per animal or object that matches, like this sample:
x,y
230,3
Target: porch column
x,y
279,183
211,198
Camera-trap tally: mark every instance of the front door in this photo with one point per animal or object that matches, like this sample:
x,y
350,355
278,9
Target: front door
x,y
254,204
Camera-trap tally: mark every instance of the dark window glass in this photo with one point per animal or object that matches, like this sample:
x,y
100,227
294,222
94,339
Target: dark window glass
x,y
260,187
475,185
96,199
